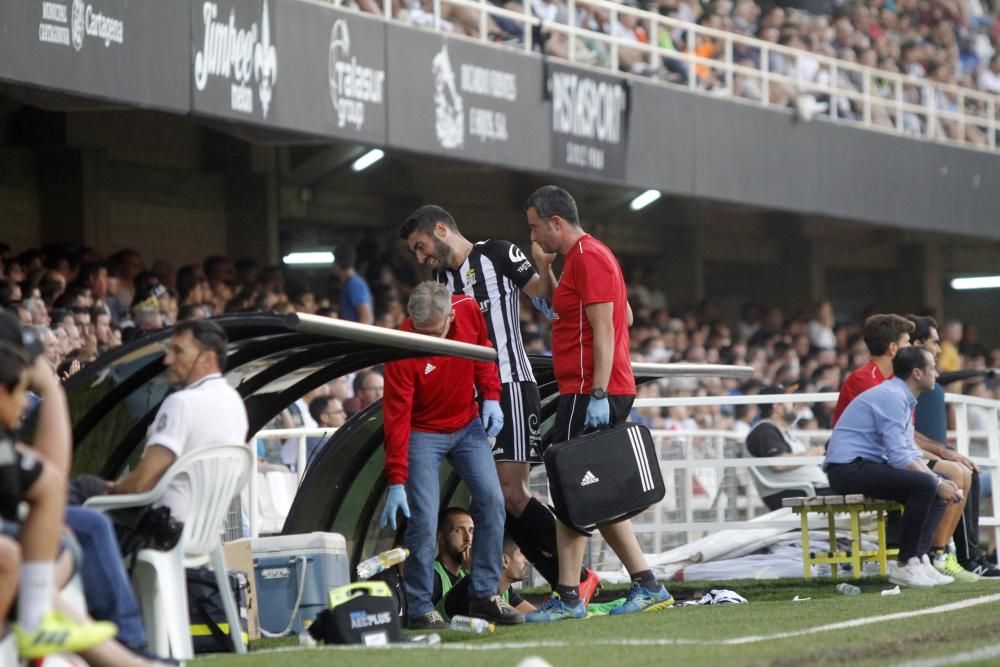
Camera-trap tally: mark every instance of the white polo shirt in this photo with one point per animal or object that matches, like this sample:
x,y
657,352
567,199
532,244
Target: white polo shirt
x,y
208,413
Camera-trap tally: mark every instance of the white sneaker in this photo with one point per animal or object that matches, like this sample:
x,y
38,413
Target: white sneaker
x,y
939,578
911,574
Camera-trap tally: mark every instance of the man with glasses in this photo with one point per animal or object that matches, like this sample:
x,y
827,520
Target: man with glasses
x,y
368,388
431,414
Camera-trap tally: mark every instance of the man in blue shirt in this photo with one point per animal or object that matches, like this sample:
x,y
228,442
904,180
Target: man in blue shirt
x,y
872,452
355,297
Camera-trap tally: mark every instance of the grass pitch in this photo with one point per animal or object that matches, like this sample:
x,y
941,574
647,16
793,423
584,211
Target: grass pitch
x,y
955,624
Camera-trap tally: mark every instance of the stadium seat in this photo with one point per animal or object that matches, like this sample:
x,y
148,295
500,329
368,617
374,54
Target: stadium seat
x,y
217,475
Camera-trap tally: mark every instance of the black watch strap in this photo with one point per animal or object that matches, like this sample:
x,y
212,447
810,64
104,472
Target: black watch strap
x,y
599,393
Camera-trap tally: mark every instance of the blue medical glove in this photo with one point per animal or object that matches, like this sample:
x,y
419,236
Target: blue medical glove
x,y
492,418
598,413
395,501
543,306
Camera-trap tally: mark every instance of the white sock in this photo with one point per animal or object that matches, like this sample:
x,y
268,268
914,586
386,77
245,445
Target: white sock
x,y
35,591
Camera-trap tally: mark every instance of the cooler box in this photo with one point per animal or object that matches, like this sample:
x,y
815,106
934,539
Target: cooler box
x,y
279,563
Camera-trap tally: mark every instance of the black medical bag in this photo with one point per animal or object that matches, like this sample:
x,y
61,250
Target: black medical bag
x,y
605,475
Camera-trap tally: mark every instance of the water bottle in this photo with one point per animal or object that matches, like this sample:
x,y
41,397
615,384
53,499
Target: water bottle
x,y
372,566
468,624
848,589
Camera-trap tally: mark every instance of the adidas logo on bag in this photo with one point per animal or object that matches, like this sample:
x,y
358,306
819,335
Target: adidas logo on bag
x,y
589,478
428,368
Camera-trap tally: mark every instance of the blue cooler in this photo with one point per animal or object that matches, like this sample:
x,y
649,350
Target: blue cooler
x,y
314,562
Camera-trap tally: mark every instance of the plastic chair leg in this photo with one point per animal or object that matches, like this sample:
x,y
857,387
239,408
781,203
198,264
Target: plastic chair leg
x,y
171,599
148,589
232,615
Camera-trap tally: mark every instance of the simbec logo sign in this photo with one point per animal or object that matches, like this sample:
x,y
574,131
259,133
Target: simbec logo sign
x,y
352,86
240,55
67,24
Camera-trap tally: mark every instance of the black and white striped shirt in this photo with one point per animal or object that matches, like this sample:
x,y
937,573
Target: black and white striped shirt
x,y
493,274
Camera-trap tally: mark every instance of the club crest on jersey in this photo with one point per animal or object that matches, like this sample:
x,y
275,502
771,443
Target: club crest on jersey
x,y
470,277
484,305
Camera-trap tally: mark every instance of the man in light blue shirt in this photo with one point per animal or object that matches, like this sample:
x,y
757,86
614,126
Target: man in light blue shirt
x,y
872,452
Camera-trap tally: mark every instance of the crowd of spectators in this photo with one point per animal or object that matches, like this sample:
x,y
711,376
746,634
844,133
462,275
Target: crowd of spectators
x,y
944,41
82,304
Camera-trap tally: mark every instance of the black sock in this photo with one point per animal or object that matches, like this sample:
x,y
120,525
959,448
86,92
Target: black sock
x,y
568,594
646,579
535,533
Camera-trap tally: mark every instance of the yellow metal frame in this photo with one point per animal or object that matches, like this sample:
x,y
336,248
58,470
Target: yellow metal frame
x,y
856,556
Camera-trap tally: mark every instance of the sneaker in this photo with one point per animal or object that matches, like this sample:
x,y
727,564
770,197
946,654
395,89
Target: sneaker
x,y
430,621
495,610
911,574
554,609
640,598
932,573
946,563
983,569
589,586
58,633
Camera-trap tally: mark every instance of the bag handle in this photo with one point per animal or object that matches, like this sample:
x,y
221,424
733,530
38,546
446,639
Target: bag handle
x,y
342,594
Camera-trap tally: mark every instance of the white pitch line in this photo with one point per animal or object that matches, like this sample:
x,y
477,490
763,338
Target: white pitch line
x,y
752,639
984,653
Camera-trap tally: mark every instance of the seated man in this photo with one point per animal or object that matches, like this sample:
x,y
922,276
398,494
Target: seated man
x,y
454,541
771,437
204,412
40,629
872,452
514,565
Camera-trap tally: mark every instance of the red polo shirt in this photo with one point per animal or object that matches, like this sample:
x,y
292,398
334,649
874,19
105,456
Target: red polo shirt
x,y
858,382
591,274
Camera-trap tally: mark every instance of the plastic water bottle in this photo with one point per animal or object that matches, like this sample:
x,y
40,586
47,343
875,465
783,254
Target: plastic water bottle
x,y
372,566
468,624
848,589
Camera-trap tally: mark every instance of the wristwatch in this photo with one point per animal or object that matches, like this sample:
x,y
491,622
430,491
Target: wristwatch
x,y
599,393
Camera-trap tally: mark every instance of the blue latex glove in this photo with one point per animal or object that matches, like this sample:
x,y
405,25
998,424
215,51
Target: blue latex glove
x,y
543,306
395,501
492,418
598,413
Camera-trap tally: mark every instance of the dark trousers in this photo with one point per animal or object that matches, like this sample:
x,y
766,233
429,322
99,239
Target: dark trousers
x,y
967,530
917,491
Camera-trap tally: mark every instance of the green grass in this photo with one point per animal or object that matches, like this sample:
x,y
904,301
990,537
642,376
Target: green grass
x,y
691,636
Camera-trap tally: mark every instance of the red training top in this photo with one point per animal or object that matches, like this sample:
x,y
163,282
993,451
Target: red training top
x,y
857,383
590,275
435,394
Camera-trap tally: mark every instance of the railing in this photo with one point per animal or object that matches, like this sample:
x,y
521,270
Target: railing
x,y
743,68
706,472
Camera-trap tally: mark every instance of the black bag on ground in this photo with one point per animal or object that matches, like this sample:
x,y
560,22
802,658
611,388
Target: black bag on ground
x,y
364,612
209,627
604,476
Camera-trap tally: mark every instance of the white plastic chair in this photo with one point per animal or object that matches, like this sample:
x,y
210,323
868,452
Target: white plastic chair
x,y
767,486
217,475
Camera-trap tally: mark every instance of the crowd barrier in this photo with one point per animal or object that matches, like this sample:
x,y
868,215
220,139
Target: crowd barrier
x,y
707,472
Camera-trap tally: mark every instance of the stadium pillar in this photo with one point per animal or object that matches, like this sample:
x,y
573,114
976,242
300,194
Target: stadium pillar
x,y
804,268
920,277
682,271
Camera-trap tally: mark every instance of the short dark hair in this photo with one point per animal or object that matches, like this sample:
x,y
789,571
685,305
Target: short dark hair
x,y
922,325
448,512
909,359
12,365
209,336
883,330
509,545
423,220
317,406
767,409
551,200
344,257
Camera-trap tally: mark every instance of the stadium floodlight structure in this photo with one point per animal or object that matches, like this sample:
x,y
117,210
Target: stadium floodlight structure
x,y
976,282
368,159
645,199
316,258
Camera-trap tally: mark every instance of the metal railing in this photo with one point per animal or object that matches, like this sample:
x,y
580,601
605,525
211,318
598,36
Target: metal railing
x,y
706,472
741,68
